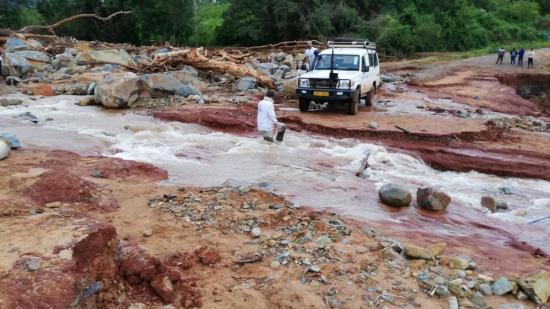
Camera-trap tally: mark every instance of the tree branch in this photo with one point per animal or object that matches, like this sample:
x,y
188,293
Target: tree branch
x,y
50,28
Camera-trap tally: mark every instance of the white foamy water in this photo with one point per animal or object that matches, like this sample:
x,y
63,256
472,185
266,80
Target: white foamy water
x,y
310,170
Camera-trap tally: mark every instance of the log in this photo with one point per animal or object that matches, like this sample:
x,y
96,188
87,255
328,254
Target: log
x,y
194,58
50,28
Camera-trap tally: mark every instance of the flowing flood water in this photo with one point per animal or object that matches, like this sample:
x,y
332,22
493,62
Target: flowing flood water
x,y
312,171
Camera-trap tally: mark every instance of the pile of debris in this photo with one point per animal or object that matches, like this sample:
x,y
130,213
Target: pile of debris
x,y
121,75
527,123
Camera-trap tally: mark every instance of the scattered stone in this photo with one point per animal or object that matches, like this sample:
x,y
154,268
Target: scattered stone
x,y
5,150
506,190
429,253
28,116
394,195
32,264
537,287
431,199
485,289
256,232
86,101
249,259
54,205
91,290
458,288
147,233
502,205
369,232
522,296
373,125
453,302
479,300
314,269
489,203
119,57
275,264
14,44
245,83
34,56
442,291
455,262
13,80
10,101
96,174
502,286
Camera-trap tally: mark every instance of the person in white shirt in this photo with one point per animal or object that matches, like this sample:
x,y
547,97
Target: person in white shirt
x,y
267,123
530,58
310,54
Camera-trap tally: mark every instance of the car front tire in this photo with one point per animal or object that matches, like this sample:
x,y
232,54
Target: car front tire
x,y
304,105
353,105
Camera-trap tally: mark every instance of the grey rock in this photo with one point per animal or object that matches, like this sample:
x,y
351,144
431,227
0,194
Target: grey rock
x,y
256,232
14,44
188,90
442,291
387,78
10,101
62,60
502,205
120,57
62,73
245,83
394,195
431,199
479,300
10,139
13,80
17,62
323,241
118,91
5,150
268,68
502,286
279,57
522,296
91,88
141,59
32,264
91,290
485,289
275,264
369,232
438,280
506,190
28,116
453,302
161,85
96,174
34,56
314,269
373,125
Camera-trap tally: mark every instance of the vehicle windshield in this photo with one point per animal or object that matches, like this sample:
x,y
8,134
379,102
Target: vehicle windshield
x,y
341,62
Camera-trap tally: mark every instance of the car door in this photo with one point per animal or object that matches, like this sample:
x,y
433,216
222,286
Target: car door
x,y
365,68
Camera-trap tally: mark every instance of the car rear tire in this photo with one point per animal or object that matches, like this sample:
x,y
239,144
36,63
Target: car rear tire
x,y
304,105
353,105
369,100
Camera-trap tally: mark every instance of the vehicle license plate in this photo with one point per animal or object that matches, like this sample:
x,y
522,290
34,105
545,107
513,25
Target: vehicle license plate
x,y
321,93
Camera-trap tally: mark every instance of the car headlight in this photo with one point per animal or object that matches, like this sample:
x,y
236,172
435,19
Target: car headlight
x,y
344,84
303,82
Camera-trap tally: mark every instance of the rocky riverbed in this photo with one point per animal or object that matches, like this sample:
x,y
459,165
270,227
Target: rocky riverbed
x,y
177,202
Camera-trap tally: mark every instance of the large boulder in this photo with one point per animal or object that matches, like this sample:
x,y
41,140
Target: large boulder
x,y
25,62
14,61
14,44
395,196
245,83
120,57
289,87
34,56
268,67
118,90
5,150
430,199
160,85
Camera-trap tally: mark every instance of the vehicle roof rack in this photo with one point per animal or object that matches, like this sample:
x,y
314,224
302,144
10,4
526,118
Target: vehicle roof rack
x,y
351,43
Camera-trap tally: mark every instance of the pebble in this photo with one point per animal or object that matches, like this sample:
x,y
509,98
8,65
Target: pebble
x,y
453,302
275,264
314,269
485,289
256,232
147,233
478,300
521,296
373,125
502,286
33,264
440,280
369,232
442,291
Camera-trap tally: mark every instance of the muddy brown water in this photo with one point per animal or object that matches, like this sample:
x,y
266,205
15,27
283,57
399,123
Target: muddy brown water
x,y
312,171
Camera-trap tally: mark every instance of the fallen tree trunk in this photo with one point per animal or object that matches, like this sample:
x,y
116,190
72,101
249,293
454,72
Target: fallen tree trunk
x,y
194,58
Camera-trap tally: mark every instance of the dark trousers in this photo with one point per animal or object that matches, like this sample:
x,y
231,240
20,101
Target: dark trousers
x,y
513,60
500,58
530,62
520,60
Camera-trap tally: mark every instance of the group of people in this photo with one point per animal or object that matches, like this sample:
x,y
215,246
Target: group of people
x,y
517,54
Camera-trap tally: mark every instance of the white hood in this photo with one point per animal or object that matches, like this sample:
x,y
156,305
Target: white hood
x,y
352,75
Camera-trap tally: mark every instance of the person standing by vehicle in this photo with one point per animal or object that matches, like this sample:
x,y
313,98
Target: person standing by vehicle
x,y
501,53
267,123
310,54
521,53
513,55
530,58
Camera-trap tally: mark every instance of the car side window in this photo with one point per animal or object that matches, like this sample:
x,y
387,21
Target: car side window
x,y
371,60
376,59
364,65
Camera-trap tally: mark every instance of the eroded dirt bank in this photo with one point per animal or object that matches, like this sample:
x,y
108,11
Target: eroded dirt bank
x,y
230,246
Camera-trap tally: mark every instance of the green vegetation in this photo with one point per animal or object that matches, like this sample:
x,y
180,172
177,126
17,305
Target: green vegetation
x,y
400,27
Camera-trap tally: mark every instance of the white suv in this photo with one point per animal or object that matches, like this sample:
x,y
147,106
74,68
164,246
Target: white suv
x,y
346,72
